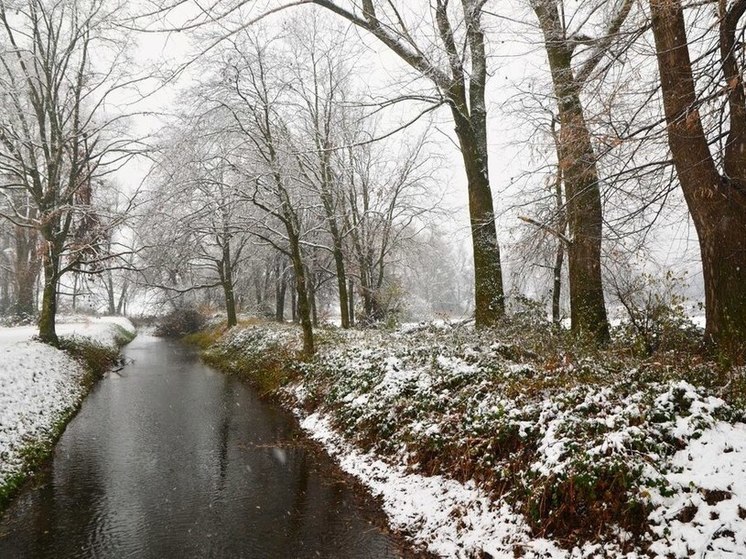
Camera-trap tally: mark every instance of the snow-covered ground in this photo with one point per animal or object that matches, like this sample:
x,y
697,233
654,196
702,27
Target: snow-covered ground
x,y
380,402
705,517
39,384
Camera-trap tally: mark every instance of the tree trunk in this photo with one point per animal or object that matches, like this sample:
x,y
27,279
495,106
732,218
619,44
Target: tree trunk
x,y
230,303
351,301
110,289
294,304
557,282
301,290
578,166
312,301
489,299
226,278
342,287
47,318
585,221
280,289
122,303
716,203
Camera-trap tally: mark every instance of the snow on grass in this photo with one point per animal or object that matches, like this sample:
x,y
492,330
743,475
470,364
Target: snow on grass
x,y
40,384
448,518
480,447
705,514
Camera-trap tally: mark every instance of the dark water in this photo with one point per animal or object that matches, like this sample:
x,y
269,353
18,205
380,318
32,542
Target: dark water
x,y
173,459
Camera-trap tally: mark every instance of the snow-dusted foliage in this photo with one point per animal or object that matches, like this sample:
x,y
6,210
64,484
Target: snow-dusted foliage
x,y
40,385
478,445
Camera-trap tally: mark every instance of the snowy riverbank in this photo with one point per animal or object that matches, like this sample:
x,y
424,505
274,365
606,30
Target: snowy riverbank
x,y
40,387
479,447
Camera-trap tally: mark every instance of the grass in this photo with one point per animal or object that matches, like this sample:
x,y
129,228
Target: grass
x,y
204,338
267,366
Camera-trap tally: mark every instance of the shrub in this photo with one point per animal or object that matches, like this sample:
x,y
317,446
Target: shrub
x,y
180,322
657,320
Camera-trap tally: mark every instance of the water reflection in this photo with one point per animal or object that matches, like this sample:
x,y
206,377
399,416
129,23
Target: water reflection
x,y
170,460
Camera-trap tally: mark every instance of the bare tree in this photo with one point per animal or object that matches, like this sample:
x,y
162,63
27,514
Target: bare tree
x,y
196,212
451,54
52,145
321,74
249,90
577,158
714,184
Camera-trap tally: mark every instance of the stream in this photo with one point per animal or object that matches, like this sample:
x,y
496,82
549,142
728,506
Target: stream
x,y
170,458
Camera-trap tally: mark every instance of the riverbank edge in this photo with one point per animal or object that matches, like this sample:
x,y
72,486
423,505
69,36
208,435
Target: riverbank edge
x,y
676,407
278,366
96,360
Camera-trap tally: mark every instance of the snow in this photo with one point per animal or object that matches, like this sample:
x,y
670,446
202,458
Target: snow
x,y
379,401
708,478
39,384
452,519
448,518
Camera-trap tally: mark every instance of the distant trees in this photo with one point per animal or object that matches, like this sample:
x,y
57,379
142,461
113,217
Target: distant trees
x,y
276,126
606,135
448,49
191,230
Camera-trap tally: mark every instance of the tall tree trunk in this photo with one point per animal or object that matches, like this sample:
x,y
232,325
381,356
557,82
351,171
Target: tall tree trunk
x,y
258,291
716,202
351,301
557,282
489,299
122,303
230,302
585,220
47,318
312,301
301,290
339,263
280,289
226,280
110,289
559,256
578,166
294,303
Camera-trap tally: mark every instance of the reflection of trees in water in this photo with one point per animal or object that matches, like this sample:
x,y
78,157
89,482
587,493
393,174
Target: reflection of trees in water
x,y
176,461
229,397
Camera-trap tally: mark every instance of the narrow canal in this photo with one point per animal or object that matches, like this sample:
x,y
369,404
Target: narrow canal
x,y
169,458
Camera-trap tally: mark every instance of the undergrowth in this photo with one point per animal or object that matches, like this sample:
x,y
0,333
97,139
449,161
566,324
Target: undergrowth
x,y
267,362
574,437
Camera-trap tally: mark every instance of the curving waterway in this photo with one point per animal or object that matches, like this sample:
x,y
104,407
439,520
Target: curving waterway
x,y
170,458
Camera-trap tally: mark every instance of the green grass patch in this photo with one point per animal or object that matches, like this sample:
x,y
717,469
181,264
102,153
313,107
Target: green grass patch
x,y
204,338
